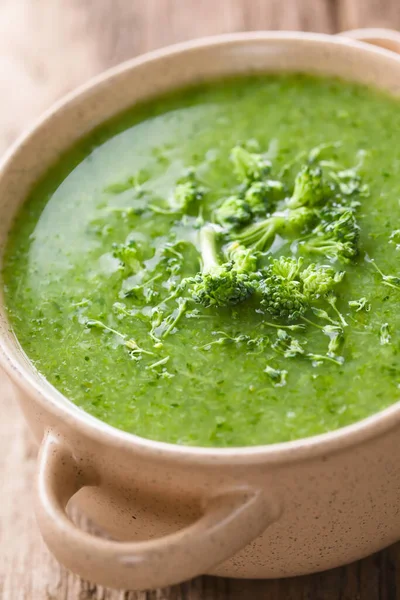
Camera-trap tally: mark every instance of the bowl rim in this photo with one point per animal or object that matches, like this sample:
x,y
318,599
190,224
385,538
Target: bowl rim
x,y
91,427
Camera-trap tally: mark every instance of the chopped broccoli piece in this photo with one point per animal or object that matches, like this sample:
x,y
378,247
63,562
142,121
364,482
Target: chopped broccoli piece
x,y
186,193
287,345
308,188
322,314
237,211
159,363
349,183
249,166
224,339
395,238
331,298
288,290
244,259
282,294
260,235
128,255
335,343
277,376
296,220
335,238
320,358
218,284
258,343
135,351
385,335
233,212
390,280
286,267
318,280
361,304
283,299
261,196
170,322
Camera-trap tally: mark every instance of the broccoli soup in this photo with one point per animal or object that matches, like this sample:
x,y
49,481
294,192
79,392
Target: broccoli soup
x,y
220,267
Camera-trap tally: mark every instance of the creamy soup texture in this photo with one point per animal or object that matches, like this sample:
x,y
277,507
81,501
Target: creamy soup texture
x,y
99,250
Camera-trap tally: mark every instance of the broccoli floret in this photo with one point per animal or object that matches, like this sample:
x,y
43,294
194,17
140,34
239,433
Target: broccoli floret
x,y
282,299
336,239
244,259
281,291
297,219
349,183
318,280
128,255
187,192
249,166
236,211
261,196
233,212
345,229
218,284
290,223
286,267
288,290
308,188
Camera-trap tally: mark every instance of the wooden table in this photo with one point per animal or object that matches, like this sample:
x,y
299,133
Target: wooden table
x,y
46,48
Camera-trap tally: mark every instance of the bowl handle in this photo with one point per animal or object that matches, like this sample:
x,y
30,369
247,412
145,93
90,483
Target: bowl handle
x,y
232,518
385,38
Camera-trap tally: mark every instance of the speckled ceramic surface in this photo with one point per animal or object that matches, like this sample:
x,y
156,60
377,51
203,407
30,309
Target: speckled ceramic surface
x,y
270,511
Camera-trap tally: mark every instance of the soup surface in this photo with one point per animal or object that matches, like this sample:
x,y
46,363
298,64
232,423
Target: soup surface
x,y
113,335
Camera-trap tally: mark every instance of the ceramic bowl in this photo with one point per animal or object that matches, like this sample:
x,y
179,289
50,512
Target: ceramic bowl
x,y
175,512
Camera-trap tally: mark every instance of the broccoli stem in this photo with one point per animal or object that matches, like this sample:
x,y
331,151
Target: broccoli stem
x,y
95,324
288,223
218,284
130,343
159,363
259,235
208,248
324,357
389,280
303,318
332,301
181,310
289,327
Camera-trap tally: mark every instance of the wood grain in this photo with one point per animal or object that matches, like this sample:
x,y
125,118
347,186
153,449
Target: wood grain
x,y
47,47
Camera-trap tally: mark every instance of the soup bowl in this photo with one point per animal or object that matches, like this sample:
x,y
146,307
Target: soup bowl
x,y
173,512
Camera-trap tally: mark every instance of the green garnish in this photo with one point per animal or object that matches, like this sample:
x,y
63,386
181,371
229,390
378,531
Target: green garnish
x,y
390,280
135,351
277,376
361,304
317,218
385,336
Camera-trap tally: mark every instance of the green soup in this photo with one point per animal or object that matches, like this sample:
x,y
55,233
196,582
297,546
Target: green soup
x,y
200,384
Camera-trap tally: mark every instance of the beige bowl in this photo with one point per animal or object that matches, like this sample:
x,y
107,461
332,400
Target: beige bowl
x,y
176,512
